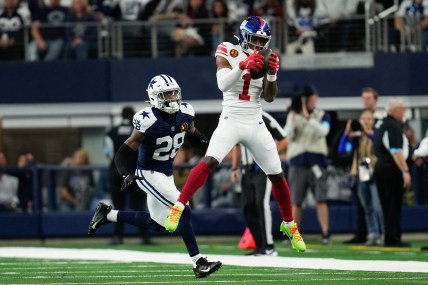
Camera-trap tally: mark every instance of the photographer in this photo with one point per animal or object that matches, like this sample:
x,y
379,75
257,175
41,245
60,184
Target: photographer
x,y
358,140
307,127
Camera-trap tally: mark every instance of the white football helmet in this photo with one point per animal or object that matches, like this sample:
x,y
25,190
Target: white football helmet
x,y
164,93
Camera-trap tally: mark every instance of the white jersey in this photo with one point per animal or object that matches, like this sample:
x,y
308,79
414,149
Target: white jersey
x,y
244,97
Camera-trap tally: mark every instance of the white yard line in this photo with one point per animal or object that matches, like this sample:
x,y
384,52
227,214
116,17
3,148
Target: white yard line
x,y
179,258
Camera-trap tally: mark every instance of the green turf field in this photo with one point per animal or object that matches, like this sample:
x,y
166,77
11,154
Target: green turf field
x,y
61,271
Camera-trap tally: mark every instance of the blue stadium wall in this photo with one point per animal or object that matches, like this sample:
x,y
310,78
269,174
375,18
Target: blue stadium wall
x,y
126,80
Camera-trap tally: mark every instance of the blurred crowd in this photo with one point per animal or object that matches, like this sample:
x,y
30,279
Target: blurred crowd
x,y
73,29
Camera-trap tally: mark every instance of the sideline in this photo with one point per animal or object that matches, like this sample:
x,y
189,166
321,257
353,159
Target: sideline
x,y
180,258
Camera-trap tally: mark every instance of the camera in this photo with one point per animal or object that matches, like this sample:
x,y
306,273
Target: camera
x,y
296,104
365,171
355,126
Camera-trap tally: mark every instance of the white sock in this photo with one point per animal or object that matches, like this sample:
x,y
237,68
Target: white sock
x,y
194,259
179,204
289,224
112,215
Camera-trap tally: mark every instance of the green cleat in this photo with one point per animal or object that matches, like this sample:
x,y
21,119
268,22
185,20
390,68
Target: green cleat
x,y
172,220
295,237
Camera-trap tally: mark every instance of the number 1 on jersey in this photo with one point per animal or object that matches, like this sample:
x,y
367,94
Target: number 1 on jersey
x,y
244,94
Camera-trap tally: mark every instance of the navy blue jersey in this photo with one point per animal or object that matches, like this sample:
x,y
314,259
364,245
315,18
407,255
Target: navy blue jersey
x,y
55,16
162,138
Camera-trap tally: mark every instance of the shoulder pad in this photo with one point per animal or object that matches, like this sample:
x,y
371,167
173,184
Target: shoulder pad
x,y
186,108
223,49
144,119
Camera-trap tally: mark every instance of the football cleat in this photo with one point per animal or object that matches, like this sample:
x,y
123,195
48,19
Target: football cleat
x,y
99,218
205,268
271,252
294,235
173,219
263,252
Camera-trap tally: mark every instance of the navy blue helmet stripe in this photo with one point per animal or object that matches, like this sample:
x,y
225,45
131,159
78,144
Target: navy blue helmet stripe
x,y
164,78
170,78
166,81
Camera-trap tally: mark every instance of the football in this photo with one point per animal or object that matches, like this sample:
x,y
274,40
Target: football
x,y
256,75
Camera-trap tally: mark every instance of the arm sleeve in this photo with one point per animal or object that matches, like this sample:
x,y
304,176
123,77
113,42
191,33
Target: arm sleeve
x,y
345,146
227,77
198,140
125,160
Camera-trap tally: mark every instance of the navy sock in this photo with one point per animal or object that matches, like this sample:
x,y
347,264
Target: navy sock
x,y
139,219
186,231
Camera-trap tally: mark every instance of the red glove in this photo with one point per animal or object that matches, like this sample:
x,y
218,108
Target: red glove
x,y
273,63
253,62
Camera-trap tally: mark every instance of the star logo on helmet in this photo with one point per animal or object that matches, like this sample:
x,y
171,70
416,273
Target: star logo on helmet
x,y
152,83
184,104
145,114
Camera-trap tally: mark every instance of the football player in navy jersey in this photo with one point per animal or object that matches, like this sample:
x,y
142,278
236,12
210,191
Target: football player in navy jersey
x,y
158,133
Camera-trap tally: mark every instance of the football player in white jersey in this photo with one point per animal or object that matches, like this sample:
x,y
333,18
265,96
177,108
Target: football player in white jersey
x,y
241,122
158,133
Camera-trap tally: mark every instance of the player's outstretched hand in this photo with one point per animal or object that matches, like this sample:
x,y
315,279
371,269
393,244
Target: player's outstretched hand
x,y
273,63
253,62
129,179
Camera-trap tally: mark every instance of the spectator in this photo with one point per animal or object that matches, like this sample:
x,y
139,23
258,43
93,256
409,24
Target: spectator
x,y
77,186
412,17
48,43
25,190
391,170
342,30
11,32
307,24
113,140
160,11
82,36
220,11
358,139
102,8
8,188
239,9
193,38
307,127
127,12
269,8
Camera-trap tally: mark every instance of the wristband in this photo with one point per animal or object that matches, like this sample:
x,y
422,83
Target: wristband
x,y
236,168
405,171
271,77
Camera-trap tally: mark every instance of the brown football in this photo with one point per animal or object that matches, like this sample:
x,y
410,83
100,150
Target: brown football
x,y
256,75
